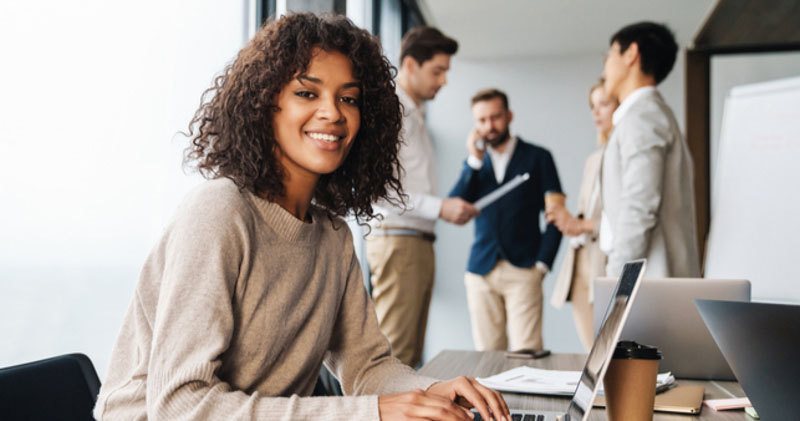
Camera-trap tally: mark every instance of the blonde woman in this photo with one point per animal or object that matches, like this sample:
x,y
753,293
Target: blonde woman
x,y
584,260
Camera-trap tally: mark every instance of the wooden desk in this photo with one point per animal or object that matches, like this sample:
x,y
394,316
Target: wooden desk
x,y
450,364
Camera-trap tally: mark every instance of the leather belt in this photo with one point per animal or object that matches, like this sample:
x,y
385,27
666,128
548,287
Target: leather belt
x,y
403,232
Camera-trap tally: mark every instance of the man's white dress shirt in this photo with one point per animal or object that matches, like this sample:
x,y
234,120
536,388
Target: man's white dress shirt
x,y
499,159
418,177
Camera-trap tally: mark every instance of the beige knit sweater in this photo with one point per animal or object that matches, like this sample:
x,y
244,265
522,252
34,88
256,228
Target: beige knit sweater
x,y
236,309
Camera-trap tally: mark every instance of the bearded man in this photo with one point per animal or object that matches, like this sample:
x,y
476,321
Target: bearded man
x,y
510,255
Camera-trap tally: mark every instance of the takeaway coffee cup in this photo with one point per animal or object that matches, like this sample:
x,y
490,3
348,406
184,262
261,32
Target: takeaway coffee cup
x,y
630,382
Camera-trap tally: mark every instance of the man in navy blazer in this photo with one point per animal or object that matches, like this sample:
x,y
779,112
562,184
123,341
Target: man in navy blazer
x,y
510,255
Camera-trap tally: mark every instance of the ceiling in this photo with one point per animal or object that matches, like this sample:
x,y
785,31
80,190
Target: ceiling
x,y
524,28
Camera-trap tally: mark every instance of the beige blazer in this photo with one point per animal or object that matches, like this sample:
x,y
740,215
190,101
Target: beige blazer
x,y
648,192
596,261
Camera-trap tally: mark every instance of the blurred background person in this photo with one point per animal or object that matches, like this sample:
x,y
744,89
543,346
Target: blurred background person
x,y
511,254
584,260
400,243
647,174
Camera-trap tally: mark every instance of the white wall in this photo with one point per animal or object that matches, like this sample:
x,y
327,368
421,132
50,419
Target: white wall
x,y
549,98
93,95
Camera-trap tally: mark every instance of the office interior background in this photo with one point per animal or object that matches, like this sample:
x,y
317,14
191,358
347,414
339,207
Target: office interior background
x,y
96,93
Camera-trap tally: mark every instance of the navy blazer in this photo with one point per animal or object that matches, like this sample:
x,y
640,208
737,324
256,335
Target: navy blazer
x,y
509,228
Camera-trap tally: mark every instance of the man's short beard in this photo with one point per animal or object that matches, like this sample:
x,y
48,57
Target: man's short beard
x,y
499,140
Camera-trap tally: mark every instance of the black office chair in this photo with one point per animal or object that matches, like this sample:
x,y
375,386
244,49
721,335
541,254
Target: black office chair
x,y
60,388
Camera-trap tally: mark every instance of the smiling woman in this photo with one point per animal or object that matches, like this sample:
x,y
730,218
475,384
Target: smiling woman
x,y
255,284
234,134
315,124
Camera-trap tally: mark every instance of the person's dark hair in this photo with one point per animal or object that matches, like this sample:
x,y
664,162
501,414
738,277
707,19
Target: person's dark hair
x,y
489,94
657,47
232,134
423,42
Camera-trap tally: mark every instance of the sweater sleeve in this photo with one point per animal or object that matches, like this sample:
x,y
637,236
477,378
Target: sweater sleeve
x,y
193,327
359,354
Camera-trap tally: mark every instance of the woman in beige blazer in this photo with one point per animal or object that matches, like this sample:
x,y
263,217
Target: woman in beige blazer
x,y
584,260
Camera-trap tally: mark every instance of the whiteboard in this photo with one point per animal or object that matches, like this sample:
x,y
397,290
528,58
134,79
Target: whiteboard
x,y
755,204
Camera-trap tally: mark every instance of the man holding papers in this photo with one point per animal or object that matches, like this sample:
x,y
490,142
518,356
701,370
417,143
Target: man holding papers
x,y
400,243
510,255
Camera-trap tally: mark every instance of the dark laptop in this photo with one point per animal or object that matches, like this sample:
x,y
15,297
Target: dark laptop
x,y
760,342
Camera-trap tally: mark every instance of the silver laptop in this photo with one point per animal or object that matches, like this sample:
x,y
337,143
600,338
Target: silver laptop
x,y
602,351
665,316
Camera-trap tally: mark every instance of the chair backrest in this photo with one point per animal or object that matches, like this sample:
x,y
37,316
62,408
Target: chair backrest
x,y
59,388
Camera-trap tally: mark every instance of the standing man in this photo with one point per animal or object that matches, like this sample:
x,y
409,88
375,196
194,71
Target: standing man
x,y
510,255
400,246
647,181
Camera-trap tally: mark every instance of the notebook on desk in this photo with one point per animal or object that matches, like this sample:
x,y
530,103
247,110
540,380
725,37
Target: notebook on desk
x,y
602,351
679,399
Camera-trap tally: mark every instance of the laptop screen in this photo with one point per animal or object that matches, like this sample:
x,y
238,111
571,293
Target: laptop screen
x,y
606,340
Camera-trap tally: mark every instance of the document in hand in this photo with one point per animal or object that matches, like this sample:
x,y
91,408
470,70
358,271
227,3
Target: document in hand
x,y
549,382
501,191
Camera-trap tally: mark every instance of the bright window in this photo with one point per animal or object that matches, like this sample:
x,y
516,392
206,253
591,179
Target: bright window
x,y
94,94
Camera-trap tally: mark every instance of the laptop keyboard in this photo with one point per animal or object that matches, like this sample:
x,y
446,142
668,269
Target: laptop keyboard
x,y
517,417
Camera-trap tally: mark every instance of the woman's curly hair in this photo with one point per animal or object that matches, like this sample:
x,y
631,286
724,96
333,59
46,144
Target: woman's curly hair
x,y
232,134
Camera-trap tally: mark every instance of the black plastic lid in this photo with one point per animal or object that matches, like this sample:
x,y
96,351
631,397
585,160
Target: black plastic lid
x,y
632,350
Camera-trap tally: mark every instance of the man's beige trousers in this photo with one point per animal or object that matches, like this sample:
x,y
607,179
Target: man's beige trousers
x,y
507,298
402,269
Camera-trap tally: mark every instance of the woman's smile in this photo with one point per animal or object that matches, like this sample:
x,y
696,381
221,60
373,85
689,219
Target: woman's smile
x,y
318,116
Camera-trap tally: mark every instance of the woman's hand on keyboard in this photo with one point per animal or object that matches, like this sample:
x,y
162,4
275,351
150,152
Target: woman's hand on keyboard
x,y
419,405
467,392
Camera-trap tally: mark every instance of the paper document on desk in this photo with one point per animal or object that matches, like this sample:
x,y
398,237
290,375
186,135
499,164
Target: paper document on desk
x,y
549,382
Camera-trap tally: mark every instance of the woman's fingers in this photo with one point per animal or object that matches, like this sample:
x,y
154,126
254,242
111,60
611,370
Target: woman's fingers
x,y
478,394
489,404
495,399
